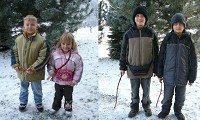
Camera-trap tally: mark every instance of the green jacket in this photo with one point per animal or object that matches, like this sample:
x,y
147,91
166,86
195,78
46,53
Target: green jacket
x,y
31,52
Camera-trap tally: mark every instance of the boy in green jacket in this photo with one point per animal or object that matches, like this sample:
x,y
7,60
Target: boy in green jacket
x,y
29,56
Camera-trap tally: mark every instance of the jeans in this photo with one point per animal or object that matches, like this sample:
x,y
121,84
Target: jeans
x,y
168,95
135,86
36,88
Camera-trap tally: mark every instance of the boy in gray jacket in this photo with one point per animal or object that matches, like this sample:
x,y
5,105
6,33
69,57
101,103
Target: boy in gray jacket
x,y
139,57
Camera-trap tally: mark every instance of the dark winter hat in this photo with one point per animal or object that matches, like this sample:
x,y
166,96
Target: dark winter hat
x,y
178,18
140,10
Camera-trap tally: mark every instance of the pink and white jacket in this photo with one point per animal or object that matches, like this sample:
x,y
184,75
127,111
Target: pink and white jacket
x,y
75,64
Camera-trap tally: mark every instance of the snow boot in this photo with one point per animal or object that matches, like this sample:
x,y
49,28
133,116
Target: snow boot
x,y
133,113
22,107
162,114
68,108
40,107
53,112
148,112
180,116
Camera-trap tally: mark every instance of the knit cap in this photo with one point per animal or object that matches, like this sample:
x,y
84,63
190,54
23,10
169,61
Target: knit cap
x,y
178,18
140,10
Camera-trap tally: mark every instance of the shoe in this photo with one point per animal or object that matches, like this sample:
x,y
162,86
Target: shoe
x,y
40,107
68,113
68,106
52,111
162,115
132,113
22,107
180,116
148,112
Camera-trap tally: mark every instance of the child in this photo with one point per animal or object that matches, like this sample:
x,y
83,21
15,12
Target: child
x,y
139,57
29,57
177,65
65,67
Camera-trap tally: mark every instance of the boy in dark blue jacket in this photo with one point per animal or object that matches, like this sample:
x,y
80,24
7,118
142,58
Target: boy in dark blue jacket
x,y
177,66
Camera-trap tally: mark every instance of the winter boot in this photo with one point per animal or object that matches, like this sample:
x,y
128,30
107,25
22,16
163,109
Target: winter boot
x,y
53,112
162,114
133,113
148,112
68,108
180,116
22,107
40,107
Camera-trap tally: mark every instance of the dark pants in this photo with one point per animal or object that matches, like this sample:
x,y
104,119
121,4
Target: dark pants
x,y
168,95
135,86
62,90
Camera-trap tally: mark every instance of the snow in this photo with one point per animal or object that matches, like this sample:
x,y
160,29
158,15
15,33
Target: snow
x,y
85,95
94,96
109,74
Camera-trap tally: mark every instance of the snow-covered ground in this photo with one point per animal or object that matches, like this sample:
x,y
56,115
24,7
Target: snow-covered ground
x,y
85,95
94,96
108,76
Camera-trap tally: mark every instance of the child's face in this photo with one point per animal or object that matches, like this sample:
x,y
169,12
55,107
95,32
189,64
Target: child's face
x,y
30,27
178,28
140,20
66,46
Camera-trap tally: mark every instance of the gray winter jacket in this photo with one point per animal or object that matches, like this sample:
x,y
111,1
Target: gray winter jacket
x,y
139,47
177,62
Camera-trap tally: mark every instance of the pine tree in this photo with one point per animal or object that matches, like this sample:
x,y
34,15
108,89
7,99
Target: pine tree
x,y
159,15
5,24
118,25
192,8
103,8
54,16
119,20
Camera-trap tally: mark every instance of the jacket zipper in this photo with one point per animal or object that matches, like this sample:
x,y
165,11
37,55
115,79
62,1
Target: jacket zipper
x,y
25,50
176,60
139,48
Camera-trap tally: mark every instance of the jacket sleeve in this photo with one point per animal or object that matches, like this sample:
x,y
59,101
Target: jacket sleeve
x,y
78,70
51,64
192,64
155,50
161,58
14,56
123,55
43,57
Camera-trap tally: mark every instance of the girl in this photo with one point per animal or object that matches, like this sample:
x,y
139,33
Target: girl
x,y
65,67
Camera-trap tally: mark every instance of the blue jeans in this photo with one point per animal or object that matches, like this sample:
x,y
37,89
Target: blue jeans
x,y
36,88
168,95
135,98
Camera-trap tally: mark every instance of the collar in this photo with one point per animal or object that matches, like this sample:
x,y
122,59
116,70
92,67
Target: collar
x,y
32,37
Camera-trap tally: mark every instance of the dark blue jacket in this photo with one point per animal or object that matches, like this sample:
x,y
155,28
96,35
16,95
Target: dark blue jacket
x,y
177,62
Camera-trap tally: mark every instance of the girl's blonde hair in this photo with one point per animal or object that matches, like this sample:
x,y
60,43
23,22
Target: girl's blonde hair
x,y
67,37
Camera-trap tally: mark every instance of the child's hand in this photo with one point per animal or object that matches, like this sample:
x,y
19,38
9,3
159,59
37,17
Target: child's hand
x,y
122,72
190,84
52,73
18,68
30,70
71,83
